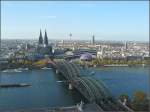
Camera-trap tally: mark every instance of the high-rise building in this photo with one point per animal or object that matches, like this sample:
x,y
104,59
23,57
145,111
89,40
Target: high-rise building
x,y
45,39
40,38
0,44
93,39
126,45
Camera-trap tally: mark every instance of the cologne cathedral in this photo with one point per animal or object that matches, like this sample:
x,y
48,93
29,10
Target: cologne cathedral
x,y
43,46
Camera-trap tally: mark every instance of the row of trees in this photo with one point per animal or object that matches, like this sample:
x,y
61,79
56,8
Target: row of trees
x,y
109,61
140,101
27,63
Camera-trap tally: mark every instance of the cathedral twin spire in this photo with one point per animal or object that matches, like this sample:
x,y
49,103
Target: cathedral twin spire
x,y
45,38
41,39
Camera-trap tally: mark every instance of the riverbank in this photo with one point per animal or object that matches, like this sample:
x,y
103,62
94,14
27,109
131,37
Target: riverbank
x,y
116,65
125,65
13,69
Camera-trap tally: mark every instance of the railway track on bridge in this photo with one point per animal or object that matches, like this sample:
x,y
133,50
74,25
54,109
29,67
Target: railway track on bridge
x,y
95,91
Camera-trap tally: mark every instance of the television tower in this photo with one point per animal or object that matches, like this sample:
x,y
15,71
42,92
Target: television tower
x,y
70,36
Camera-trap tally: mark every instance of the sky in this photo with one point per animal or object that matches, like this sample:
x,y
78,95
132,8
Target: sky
x,y
109,20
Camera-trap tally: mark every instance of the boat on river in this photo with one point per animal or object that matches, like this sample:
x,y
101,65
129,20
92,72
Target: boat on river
x,y
11,70
116,65
23,69
14,85
45,68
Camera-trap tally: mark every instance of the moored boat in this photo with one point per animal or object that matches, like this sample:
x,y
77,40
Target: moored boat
x,y
116,65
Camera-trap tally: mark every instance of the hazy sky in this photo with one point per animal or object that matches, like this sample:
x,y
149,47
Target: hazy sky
x,y
111,20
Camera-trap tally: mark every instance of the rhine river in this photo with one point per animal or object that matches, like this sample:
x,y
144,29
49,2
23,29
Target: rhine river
x,y
47,91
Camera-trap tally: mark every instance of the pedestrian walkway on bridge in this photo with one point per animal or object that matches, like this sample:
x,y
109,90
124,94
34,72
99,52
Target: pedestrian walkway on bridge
x,y
85,108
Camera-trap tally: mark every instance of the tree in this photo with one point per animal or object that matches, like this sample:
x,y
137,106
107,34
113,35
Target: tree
x,y
140,101
95,62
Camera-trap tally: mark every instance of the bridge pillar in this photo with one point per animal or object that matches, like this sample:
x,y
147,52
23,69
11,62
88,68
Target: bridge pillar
x,y
70,86
57,72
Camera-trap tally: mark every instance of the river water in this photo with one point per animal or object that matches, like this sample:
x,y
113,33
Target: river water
x,y
47,91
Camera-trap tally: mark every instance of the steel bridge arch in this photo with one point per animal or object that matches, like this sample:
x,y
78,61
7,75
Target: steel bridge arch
x,y
94,90
81,83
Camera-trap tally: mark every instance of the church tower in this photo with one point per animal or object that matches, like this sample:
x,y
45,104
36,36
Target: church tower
x,y
40,38
45,39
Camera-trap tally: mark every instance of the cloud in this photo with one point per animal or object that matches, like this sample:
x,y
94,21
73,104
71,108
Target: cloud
x,y
51,17
48,17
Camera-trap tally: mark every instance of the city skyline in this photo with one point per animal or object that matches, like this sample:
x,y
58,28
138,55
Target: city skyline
x,y
129,20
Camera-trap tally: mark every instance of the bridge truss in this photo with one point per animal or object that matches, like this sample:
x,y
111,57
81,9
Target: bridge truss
x,y
93,90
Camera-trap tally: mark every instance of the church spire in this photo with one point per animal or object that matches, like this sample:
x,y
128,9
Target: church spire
x,y
45,39
40,38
